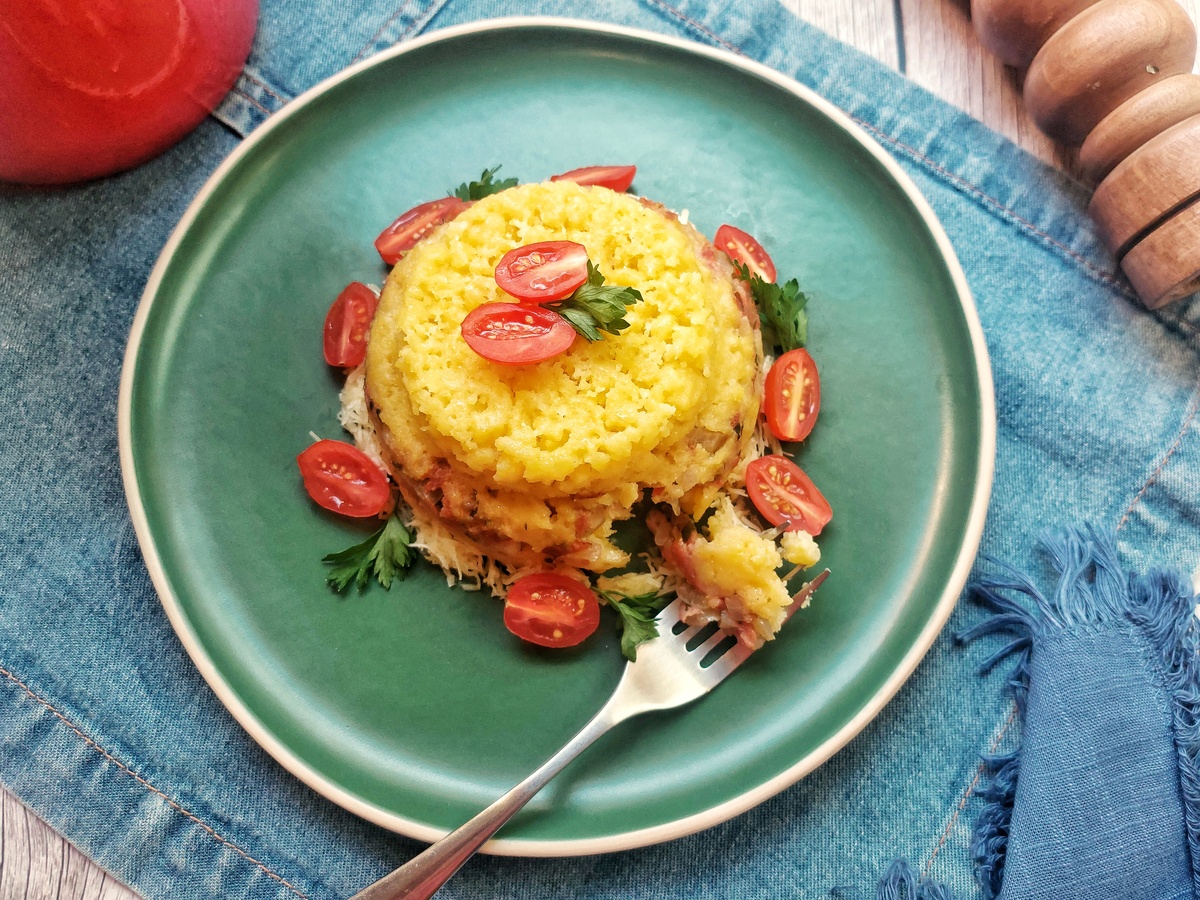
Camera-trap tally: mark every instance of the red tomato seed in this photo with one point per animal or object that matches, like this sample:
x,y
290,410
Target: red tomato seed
x,y
341,478
543,272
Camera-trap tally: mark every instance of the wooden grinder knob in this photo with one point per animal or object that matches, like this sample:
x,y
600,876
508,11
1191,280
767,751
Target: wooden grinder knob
x,y
1137,120
1101,58
1165,265
1155,180
1114,76
1014,30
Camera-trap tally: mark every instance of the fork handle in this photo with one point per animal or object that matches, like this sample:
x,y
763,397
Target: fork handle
x,y
425,873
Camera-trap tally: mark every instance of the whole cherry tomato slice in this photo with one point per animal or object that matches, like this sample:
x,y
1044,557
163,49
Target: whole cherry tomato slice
x,y
551,610
515,334
542,272
783,494
403,234
742,248
347,324
617,178
793,396
342,478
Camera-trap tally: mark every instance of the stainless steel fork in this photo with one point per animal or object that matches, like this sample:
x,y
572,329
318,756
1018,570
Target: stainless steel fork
x,y
666,674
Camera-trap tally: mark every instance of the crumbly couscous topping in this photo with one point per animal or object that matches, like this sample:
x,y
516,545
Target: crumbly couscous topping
x,y
608,415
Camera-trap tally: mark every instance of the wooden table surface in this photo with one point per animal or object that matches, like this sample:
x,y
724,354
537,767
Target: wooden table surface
x,y
930,41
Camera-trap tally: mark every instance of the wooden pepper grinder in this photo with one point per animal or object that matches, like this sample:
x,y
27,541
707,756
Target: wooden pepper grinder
x,y
1114,76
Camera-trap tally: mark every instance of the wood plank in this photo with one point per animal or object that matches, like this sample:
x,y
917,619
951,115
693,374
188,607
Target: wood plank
x,y
37,864
869,25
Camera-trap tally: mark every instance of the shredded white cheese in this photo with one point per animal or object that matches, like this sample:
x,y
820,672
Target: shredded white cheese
x,y
356,417
631,584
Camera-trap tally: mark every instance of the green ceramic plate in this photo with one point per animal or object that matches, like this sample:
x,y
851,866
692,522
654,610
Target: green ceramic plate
x,y
415,708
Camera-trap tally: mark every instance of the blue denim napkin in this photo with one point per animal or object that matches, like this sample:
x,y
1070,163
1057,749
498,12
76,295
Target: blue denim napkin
x,y
107,730
1103,799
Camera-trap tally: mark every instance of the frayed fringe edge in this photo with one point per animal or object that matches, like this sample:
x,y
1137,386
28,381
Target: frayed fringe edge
x,y
1164,610
901,882
1093,589
991,830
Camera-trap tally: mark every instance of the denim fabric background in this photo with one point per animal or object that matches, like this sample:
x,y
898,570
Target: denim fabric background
x,y
107,730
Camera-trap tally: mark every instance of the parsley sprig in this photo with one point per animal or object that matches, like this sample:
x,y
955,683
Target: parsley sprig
x,y
484,187
636,618
386,554
780,310
595,306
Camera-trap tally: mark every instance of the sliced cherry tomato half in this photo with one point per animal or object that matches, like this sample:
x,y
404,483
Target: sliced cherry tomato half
x,y
347,324
342,478
783,494
551,610
403,234
742,248
793,396
515,334
539,273
616,178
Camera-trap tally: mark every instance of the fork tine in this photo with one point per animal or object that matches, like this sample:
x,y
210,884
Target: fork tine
x,y
729,661
802,596
711,644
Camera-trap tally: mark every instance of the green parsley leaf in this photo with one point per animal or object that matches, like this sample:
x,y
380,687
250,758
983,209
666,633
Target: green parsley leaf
x,y
583,322
595,307
386,554
636,618
780,310
484,187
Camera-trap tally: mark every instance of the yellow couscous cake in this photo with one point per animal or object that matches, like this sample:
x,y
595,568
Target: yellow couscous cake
x,y
530,466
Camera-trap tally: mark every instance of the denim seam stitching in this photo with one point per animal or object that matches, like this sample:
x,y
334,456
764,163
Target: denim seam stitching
x,y
382,28
422,19
266,88
249,99
92,744
1094,270
970,791
1162,463
697,26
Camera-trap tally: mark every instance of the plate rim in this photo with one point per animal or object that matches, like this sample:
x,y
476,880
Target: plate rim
x,y
689,824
